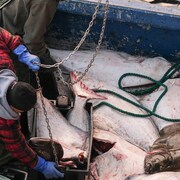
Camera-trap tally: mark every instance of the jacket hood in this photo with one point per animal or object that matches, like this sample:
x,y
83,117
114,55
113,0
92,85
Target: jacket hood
x,y
6,78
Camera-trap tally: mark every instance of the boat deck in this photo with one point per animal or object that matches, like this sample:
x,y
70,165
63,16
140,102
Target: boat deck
x,y
164,8
133,26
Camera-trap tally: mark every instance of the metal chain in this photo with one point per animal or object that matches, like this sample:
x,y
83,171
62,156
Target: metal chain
x,y
46,119
83,74
80,43
69,84
85,34
98,46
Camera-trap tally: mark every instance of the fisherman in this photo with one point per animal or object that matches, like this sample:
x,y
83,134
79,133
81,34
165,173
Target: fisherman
x,y
29,19
16,97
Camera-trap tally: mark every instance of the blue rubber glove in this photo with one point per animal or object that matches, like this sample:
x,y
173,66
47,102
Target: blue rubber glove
x,y
25,57
48,169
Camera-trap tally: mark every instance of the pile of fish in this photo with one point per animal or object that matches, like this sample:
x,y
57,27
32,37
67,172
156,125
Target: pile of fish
x,y
109,66
127,143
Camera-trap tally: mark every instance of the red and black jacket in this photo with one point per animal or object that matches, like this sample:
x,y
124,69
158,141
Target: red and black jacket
x,y
10,130
8,43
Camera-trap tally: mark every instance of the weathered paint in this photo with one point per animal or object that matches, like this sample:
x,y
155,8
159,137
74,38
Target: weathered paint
x,y
135,31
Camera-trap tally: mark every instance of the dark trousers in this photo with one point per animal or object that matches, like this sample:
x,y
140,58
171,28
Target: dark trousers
x,y
30,20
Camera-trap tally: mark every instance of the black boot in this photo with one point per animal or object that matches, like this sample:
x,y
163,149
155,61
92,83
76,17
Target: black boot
x,y
48,60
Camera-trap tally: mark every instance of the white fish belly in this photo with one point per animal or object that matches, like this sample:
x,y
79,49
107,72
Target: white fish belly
x,y
168,107
109,66
71,138
139,131
122,160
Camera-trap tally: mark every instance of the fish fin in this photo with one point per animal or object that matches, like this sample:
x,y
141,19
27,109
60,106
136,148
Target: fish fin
x,y
80,89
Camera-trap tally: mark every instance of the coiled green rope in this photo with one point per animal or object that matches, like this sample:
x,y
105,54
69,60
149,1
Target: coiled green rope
x,y
171,71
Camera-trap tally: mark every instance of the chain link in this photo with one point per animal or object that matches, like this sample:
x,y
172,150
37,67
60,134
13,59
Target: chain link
x,y
97,48
46,118
69,84
65,59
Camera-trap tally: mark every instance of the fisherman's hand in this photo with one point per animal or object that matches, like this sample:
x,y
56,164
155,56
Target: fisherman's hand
x,y
25,57
48,169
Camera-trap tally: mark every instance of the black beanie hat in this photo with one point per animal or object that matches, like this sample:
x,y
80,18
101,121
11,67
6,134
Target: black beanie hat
x,y
21,96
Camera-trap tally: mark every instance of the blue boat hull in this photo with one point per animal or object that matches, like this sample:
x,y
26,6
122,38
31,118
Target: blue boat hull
x,y
135,31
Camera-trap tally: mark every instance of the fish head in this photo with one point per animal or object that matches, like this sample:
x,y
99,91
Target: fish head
x,y
80,89
43,147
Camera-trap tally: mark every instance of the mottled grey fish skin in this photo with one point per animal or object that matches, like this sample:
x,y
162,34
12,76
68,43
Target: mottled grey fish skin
x,y
73,140
165,152
158,176
141,132
120,161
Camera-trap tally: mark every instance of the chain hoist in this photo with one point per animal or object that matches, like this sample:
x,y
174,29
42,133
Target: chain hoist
x,y
46,118
57,65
